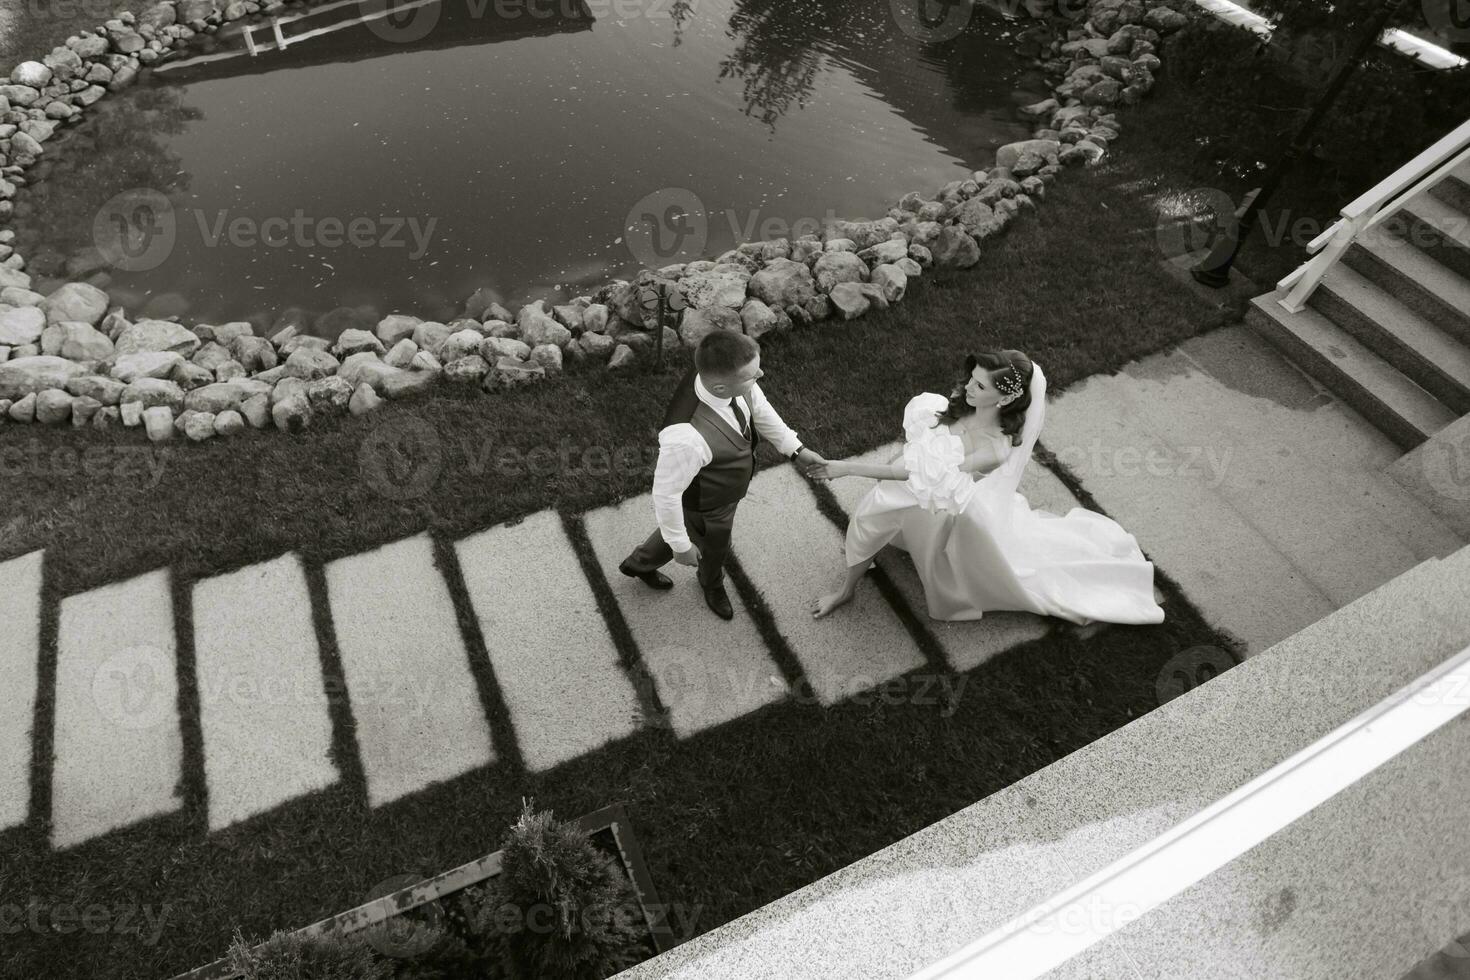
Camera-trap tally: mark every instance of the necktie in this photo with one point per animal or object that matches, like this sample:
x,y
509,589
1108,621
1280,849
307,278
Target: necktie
x,y
740,417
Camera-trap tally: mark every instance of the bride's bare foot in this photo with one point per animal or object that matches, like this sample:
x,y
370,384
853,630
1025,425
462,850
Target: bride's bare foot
x,y
827,603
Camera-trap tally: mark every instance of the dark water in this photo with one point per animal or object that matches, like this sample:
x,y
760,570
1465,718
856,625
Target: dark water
x,y
535,152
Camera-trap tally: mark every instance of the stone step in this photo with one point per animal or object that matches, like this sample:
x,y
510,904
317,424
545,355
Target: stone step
x,y
1432,359
966,644
415,705
1437,472
1454,189
1406,413
551,651
707,672
792,554
1432,289
1441,230
20,651
118,748
262,703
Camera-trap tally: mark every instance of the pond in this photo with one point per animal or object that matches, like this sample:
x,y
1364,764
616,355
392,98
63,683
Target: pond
x,y
534,148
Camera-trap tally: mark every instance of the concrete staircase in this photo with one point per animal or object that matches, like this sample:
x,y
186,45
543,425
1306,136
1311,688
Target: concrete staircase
x,y
1388,328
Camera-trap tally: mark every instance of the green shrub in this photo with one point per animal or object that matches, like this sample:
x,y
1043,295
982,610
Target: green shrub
x,y
561,909
285,956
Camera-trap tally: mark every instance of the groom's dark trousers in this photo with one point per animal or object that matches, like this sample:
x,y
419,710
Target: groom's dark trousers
x,y
715,491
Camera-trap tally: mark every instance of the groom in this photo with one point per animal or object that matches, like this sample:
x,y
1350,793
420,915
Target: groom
x,y
706,458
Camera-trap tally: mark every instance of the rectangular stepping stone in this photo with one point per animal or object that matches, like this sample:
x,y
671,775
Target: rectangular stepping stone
x,y
20,650
552,654
966,644
707,671
417,707
793,554
118,750
262,702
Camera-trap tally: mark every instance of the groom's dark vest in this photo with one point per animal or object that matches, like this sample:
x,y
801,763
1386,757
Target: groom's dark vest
x,y
726,477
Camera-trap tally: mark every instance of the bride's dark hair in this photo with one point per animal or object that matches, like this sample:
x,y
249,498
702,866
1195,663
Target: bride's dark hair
x,y
1001,364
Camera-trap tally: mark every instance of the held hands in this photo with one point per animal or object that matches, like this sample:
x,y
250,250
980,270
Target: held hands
x,y
690,557
807,461
829,470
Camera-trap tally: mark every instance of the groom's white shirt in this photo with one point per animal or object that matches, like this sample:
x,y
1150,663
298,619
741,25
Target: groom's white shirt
x,y
682,453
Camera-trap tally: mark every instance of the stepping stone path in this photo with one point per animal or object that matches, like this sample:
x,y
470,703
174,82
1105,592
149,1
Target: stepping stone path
x,y
547,641
262,703
20,646
418,712
705,676
118,748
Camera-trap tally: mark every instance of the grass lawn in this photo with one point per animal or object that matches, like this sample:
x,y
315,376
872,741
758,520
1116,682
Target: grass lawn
x,y
730,819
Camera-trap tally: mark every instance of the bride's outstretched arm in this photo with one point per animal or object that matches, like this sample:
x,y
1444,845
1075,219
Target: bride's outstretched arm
x,y
846,467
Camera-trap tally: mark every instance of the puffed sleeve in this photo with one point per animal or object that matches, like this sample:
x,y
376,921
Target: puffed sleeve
x,y
932,455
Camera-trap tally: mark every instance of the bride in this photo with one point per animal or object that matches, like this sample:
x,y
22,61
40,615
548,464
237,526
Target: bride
x,y
950,500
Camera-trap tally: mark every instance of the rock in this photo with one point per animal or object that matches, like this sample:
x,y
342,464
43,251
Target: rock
x,y
53,406
353,341
469,369
257,411
711,289
891,280
403,384
159,423
909,267
254,353
229,423
224,396
22,409
76,342
1105,92
500,328
199,426
1007,155
329,395
130,414
1164,20
158,335
889,251
296,342
402,354
1039,110
429,335
783,284
757,319
75,302
549,356
395,327
980,220
955,249
293,412
106,391
20,376
147,364
212,356
1083,151
849,299
23,325
840,245
493,349
698,324
84,410
226,333
594,318
460,345
153,392
107,416
309,365
863,233
31,73
364,399
188,375
838,267
510,373
568,315
537,328
598,346
623,360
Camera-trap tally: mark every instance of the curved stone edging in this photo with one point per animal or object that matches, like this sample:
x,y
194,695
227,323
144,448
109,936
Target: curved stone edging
x,y
72,356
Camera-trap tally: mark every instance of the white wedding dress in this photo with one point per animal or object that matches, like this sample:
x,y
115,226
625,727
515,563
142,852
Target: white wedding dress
x,y
979,547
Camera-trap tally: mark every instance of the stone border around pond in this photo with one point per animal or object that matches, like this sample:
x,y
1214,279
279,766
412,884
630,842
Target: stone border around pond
x,y
72,356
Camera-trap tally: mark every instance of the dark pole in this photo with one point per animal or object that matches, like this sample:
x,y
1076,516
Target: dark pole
x,y
1214,269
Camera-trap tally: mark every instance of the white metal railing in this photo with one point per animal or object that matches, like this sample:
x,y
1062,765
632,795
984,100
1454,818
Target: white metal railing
x,y
1365,212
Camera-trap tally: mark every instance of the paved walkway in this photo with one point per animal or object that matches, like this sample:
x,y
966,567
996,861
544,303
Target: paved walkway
x,y
1256,491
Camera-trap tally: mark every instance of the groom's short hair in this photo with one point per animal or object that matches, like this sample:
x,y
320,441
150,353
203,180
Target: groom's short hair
x,y
724,352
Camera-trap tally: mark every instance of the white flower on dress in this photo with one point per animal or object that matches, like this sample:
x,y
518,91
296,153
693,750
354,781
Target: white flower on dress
x,y
932,455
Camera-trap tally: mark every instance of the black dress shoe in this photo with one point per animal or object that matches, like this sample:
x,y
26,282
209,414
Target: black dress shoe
x,y
717,600
654,579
